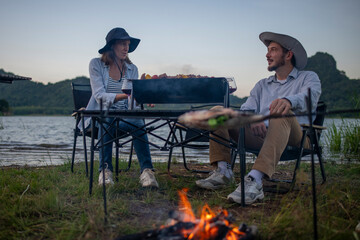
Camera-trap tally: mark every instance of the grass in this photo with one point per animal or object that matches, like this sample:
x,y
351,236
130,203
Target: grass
x,y
53,203
344,139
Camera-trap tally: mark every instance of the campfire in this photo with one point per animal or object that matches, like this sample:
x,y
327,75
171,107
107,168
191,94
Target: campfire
x,y
182,224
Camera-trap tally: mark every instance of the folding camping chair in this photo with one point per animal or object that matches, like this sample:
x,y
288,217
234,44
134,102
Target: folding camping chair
x,y
183,91
81,90
295,153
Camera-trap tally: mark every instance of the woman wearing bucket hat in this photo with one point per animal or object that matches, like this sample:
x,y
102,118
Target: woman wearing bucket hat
x,y
107,75
283,93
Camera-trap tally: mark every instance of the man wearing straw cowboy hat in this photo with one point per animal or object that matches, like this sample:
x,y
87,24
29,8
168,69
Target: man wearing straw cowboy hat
x,y
283,93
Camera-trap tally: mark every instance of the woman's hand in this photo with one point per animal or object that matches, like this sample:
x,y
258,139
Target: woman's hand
x,y
151,105
120,96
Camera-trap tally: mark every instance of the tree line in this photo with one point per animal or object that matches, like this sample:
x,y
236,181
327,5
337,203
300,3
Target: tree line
x,y
29,97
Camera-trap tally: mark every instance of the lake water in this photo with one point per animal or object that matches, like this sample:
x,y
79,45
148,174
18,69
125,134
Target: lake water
x,y
47,140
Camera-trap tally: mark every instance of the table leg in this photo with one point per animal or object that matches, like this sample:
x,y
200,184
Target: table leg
x,y
92,155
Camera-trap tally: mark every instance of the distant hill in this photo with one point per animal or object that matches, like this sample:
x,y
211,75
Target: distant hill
x,y
28,97
338,91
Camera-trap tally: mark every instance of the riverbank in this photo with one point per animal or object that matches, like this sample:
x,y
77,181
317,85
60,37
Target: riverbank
x,y
53,203
48,140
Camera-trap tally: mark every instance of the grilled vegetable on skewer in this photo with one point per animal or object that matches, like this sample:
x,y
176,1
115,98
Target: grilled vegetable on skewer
x,y
219,118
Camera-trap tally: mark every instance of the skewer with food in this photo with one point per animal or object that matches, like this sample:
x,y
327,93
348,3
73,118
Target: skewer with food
x,y
219,118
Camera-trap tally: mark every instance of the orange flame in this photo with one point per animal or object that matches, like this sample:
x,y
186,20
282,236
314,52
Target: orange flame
x,y
207,227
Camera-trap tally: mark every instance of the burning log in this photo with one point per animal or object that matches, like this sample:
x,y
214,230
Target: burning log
x,y
182,225
174,232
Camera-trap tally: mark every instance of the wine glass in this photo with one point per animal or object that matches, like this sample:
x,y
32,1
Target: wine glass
x,y
232,84
126,86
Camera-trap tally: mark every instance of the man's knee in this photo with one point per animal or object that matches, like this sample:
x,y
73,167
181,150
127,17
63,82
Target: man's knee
x,y
280,122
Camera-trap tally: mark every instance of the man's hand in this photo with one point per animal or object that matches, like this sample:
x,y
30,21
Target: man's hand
x,y
280,106
259,129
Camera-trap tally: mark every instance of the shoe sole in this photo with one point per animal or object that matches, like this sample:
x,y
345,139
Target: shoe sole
x,y
151,185
259,197
211,187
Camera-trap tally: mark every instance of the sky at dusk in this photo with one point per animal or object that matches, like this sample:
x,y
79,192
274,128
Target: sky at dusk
x,y
51,41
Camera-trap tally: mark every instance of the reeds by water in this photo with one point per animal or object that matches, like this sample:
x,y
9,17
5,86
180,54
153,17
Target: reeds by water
x,y
344,139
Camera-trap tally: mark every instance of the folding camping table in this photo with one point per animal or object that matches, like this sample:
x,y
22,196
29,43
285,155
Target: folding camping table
x,y
162,91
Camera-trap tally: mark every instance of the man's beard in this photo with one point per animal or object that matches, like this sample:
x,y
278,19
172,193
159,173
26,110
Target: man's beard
x,y
276,66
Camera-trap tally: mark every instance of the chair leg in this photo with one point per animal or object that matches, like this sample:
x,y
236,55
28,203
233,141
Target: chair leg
x,y
130,156
321,167
84,144
184,158
242,155
73,151
298,160
242,176
92,156
187,168
233,158
117,153
117,161
297,167
170,154
319,154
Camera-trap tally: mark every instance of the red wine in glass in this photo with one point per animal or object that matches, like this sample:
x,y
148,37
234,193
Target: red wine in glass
x,y
126,86
126,91
232,84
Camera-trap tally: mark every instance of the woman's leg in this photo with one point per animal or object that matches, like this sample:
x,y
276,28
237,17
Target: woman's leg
x,y
141,146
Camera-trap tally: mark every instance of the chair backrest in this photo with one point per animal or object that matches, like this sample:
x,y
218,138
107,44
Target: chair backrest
x,y
81,90
182,91
320,116
320,113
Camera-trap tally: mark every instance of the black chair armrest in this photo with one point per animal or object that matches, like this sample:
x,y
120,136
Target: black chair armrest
x,y
317,127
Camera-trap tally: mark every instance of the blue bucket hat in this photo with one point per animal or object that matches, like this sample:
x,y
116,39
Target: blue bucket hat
x,y
119,34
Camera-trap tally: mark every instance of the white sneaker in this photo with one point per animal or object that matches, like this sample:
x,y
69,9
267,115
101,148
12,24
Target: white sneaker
x,y
147,178
215,181
108,177
253,192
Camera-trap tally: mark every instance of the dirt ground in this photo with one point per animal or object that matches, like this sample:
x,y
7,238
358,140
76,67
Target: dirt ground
x,y
157,214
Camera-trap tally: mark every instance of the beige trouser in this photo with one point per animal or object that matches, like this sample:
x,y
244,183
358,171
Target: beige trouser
x,y
280,133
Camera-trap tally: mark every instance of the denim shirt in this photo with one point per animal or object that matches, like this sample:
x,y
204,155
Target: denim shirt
x,y
294,88
99,78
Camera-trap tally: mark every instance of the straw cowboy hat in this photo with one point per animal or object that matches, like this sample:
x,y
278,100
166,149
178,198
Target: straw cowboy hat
x,y
119,34
289,43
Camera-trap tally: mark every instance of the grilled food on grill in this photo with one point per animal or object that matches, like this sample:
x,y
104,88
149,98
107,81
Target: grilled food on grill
x,y
164,75
219,118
